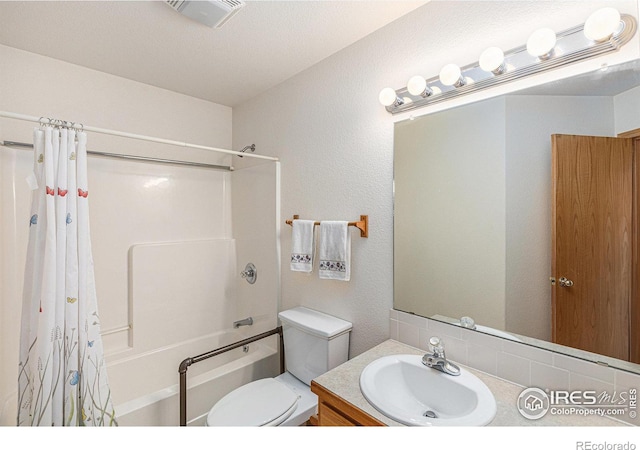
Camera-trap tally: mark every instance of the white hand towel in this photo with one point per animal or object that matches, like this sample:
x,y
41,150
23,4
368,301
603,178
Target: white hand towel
x,y
302,246
335,250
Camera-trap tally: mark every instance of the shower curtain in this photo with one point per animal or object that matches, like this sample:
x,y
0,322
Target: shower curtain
x,y
62,376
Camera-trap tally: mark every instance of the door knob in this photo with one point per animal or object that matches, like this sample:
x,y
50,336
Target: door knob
x,y
564,282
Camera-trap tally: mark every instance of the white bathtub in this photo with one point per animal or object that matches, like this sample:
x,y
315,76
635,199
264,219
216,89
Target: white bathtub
x,y
145,387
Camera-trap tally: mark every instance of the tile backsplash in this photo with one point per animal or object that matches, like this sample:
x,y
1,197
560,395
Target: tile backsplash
x,y
512,361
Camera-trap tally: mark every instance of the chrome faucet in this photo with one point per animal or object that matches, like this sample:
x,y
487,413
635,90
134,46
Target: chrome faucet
x,y
436,358
243,322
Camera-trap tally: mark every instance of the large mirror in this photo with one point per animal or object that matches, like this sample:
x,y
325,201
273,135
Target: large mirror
x,y
473,211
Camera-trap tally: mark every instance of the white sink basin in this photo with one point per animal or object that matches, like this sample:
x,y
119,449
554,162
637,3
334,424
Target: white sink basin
x,y
407,391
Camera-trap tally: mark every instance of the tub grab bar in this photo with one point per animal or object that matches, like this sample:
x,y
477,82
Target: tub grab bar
x,y
184,365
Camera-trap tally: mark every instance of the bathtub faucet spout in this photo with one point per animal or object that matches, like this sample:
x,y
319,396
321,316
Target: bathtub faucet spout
x,y
239,323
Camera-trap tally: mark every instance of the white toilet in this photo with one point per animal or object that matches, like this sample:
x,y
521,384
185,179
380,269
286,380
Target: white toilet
x,y
314,343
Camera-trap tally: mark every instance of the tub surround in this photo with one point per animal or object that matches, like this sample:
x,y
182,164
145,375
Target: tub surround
x,y
344,382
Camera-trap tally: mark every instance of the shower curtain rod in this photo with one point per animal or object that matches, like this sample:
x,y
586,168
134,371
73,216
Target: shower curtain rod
x,y
141,137
130,157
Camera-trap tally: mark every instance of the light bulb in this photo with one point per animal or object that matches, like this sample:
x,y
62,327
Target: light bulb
x,y
388,97
541,43
602,24
492,60
450,75
418,86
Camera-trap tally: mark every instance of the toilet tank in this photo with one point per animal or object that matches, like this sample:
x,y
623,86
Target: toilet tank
x,y
314,342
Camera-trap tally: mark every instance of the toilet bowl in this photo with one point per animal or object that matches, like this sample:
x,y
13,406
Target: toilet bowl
x,y
280,401
314,343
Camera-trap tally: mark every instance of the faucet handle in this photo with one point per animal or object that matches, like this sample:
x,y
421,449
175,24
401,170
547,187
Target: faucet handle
x,y
436,346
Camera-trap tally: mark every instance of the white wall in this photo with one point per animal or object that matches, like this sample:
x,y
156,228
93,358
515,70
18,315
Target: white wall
x,y
131,202
335,141
627,110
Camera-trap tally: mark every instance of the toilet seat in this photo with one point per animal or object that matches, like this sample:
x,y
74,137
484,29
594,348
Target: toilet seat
x,y
264,402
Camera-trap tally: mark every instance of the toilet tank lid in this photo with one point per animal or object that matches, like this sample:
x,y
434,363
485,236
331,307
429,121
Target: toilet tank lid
x,y
315,322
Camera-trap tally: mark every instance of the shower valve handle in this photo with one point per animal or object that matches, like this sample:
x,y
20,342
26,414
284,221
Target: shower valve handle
x,y
249,273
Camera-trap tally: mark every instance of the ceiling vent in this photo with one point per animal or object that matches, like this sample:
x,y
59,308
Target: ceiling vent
x,y
212,13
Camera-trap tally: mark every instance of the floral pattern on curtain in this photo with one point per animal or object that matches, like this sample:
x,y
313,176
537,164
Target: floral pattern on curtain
x,y
62,376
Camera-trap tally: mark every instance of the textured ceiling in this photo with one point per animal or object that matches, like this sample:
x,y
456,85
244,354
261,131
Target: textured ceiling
x,y
264,44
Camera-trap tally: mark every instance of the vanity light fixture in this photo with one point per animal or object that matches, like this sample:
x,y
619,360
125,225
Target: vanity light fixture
x,y
602,24
418,86
541,43
492,60
605,31
388,97
451,75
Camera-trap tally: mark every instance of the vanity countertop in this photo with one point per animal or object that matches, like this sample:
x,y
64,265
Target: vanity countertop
x,y
344,381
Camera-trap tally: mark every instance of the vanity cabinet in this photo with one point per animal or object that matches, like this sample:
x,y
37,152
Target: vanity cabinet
x,y
333,411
